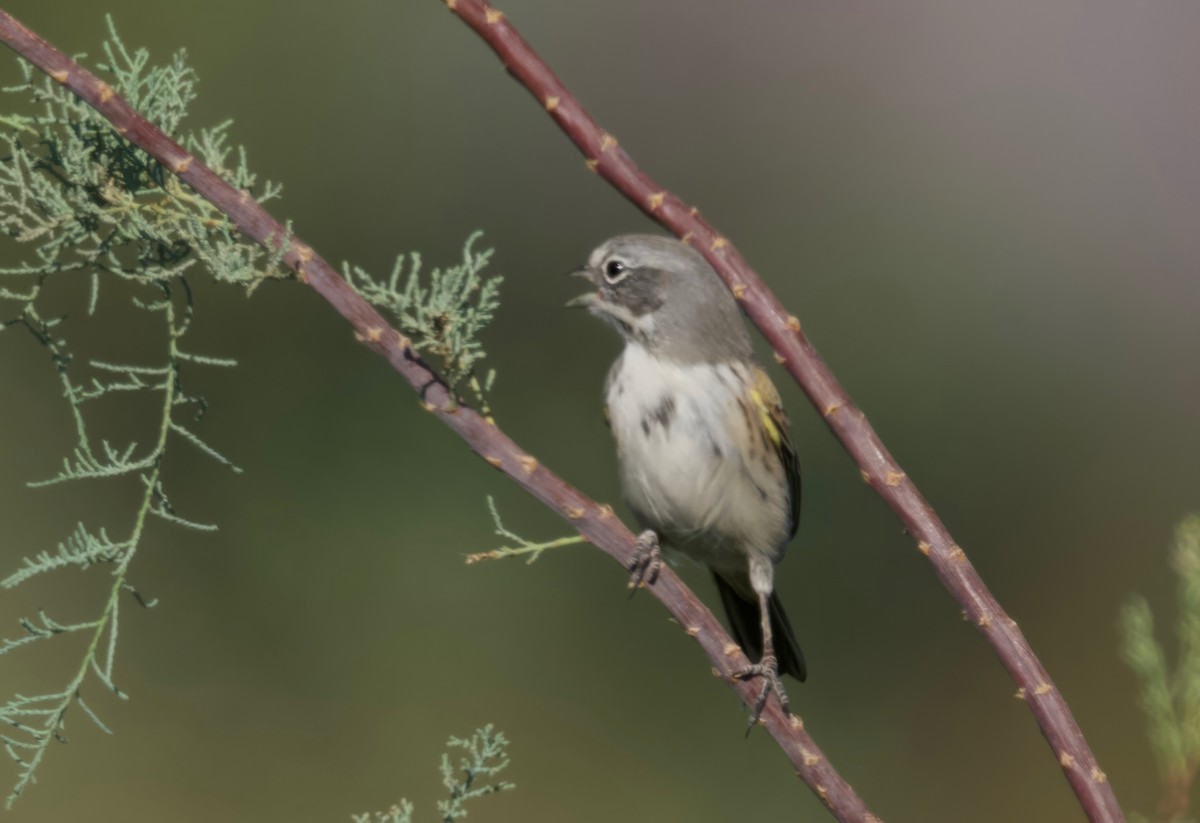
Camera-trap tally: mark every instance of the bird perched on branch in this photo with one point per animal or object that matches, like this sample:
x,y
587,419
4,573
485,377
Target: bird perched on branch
x,y
706,463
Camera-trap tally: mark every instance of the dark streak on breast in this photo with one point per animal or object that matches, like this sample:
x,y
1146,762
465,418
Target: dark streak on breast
x,y
665,411
716,447
662,414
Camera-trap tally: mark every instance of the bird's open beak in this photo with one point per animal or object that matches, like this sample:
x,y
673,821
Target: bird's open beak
x,y
583,301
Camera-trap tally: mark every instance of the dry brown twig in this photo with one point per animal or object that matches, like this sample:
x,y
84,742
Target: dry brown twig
x,y
604,156
595,522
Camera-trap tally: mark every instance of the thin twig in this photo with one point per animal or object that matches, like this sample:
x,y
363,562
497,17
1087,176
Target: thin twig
x,y
595,522
604,156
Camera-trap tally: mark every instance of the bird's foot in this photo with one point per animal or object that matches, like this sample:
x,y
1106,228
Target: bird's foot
x,y
768,670
647,561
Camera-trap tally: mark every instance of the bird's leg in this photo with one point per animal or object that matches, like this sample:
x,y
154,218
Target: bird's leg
x,y
647,561
767,668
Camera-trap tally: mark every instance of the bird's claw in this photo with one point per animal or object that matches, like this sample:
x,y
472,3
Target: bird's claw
x,y
647,561
768,670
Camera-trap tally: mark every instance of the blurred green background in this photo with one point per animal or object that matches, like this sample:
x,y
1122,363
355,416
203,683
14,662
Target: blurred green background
x,y
984,214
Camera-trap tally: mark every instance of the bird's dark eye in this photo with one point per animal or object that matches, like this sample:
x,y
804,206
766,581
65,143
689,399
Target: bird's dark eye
x,y
614,270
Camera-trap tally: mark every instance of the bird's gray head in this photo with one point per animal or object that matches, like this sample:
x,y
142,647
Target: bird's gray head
x,y
661,294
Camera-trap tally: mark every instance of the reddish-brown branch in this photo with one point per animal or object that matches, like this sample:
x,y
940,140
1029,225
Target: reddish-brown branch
x,y
793,350
595,522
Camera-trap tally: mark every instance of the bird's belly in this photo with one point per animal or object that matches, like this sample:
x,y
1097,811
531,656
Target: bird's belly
x,y
684,465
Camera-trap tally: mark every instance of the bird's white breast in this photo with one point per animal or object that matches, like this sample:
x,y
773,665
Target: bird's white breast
x,y
689,468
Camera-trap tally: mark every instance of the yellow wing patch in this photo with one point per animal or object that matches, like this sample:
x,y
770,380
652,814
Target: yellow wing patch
x,y
766,400
775,422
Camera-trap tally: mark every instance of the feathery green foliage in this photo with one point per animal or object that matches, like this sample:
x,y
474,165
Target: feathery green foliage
x,y
39,720
87,203
90,204
1171,699
445,316
93,203
486,757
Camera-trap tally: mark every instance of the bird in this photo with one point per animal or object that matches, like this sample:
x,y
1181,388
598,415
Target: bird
x,y
705,458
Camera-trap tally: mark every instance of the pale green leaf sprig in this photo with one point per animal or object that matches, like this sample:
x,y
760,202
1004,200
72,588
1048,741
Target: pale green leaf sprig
x,y
401,812
1170,697
82,549
484,755
528,549
443,315
1148,660
1185,559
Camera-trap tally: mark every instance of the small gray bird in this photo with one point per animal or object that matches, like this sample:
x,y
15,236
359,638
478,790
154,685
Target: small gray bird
x,y
705,460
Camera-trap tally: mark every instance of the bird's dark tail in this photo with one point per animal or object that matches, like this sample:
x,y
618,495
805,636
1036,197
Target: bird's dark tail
x,y
746,627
